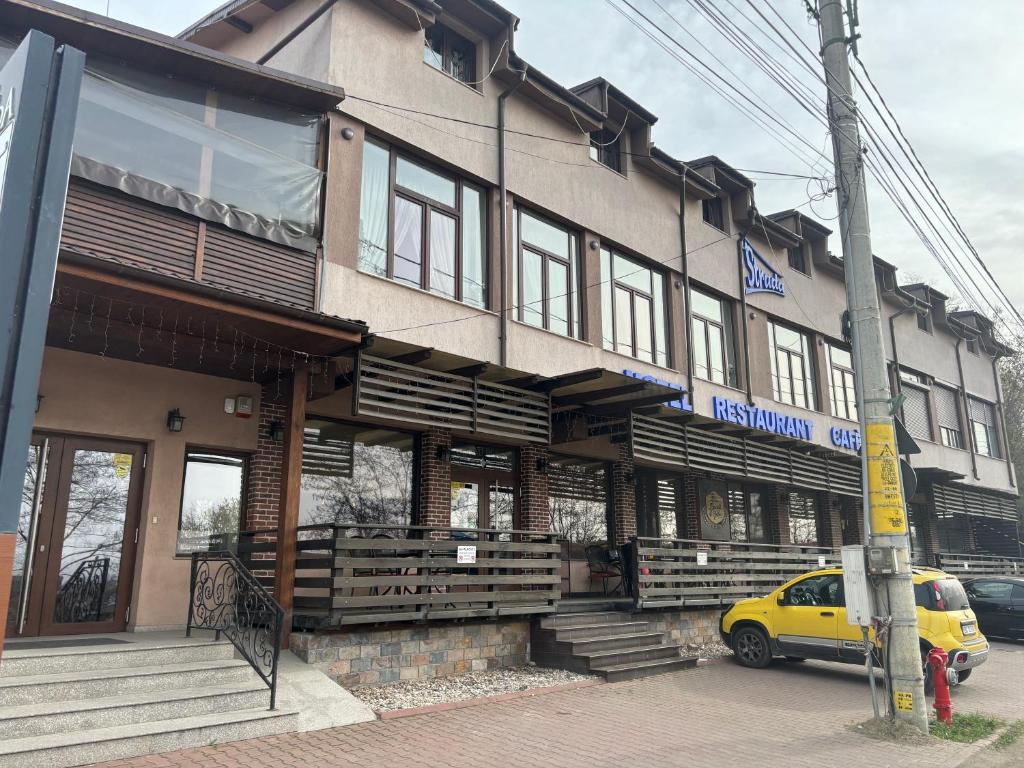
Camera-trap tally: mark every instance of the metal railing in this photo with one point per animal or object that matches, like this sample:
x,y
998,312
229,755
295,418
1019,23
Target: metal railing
x,y
227,598
364,574
690,572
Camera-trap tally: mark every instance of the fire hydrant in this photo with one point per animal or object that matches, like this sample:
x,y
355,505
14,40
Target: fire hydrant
x,y
937,659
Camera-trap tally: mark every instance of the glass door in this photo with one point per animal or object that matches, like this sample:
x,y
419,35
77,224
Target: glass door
x,y
80,517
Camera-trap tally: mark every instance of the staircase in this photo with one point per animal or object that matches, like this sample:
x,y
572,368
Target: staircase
x,y
614,644
82,704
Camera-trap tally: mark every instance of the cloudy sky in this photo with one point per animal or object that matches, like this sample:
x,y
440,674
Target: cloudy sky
x,y
947,68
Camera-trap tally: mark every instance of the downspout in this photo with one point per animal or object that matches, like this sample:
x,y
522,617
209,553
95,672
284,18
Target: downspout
x,y
966,406
503,217
685,268
743,308
892,338
1002,419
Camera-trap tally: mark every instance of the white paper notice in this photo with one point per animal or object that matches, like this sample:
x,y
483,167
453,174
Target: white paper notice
x,y
466,554
702,558
821,561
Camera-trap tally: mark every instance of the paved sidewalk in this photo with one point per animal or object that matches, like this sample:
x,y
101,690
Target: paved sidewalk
x,y
789,715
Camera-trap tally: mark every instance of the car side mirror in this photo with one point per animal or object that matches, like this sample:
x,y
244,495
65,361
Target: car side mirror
x,y
781,599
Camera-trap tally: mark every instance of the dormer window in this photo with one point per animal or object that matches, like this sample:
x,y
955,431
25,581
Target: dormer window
x,y
606,148
450,52
972,346
924,321
797,260
713,213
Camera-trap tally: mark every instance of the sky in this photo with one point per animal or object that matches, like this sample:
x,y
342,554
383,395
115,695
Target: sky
x,y
947,68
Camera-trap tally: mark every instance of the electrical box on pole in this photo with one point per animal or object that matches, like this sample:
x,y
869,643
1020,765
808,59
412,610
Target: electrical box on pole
x,y
856,590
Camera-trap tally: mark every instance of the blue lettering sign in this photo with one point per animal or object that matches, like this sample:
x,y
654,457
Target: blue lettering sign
x,y
683,403
845,438
761,418
761,277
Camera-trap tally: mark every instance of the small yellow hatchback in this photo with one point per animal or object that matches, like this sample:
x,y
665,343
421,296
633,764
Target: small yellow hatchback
x,y
806,618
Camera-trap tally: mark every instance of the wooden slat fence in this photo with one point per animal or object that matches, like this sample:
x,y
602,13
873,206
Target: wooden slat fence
x,y
689,572
970,566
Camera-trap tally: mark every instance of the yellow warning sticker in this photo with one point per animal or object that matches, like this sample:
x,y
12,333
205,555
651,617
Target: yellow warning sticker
x,y
888,513
904,701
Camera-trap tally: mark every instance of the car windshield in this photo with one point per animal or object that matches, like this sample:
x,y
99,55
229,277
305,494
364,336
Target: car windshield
x,y
953,596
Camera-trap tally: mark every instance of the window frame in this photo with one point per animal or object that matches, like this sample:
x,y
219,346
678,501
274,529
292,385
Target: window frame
x,y
714,204
727,333
797,260
991,430
606,144
850,410
809,378
573,267
919,383
924,322
243,511
948,431
634,292
448,37
427,206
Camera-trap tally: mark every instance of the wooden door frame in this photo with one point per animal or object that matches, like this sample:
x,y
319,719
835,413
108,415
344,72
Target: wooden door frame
x,y
44,587
483,477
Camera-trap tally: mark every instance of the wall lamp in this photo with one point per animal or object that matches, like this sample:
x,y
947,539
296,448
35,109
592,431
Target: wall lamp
x,y
276,431
175,421
542,465
347,133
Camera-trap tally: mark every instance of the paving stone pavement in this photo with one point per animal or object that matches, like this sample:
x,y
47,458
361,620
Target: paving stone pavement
x,y
789,715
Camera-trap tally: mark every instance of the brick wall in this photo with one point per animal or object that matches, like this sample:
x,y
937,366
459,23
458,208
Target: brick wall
x,y
852,513
623,497
435,479
366,657
533,490
830,533
264,486
689,628
777,522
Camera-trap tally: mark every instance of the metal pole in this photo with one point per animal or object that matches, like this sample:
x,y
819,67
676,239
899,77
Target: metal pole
x,y
887,512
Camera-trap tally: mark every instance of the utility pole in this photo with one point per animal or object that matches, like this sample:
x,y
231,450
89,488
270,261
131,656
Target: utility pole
x,y
884,507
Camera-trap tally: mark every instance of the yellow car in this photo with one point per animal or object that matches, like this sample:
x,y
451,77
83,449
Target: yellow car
x,y
806,618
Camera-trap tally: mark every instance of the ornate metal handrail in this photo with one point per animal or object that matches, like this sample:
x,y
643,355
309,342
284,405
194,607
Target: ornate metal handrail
x,y
226,597
80,598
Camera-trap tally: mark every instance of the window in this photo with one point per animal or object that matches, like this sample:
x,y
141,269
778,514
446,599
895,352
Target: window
x,y
713,340
605,147
983,428
450,52
947,407
824,590
972,346
990,590
436,240
924,321
211,501
547,275
578,500
792,366
355,475
633,316
746,514
803,518
916,416
713,213
796,259
841,390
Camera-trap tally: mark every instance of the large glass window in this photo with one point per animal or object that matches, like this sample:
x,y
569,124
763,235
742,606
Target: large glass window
x,y
792,365
578,500
633,314
746,513
841,391
713,340
211,501
917,416
947,407
355,475
983,428
803,518
436,238
450,52
547,275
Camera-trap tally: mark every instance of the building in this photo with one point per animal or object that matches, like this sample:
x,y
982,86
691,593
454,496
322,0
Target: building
x,y
574,357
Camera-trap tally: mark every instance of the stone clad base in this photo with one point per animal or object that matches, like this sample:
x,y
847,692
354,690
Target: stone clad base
x,y
365,656
686,626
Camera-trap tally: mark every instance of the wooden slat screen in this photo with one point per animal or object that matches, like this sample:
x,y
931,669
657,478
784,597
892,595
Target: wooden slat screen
x,y
670,445
957,500
967,565
391,390
245,264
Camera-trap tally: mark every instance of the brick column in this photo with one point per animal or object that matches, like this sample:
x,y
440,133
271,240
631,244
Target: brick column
x,y
852,514
623,498
688,507
264,486
830,533
534,514
7,541
435,479
777,524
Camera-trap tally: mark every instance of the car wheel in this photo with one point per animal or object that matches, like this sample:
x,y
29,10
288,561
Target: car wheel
x,y
795,659
964,674
750,645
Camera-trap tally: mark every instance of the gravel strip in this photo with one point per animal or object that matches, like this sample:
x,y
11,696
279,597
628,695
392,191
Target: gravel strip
x,y
712,650
440,690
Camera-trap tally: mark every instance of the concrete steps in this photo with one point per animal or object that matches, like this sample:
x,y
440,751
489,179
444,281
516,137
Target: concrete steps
x,y
91,703
613,644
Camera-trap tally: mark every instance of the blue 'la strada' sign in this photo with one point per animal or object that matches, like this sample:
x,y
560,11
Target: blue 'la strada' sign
x,y
760,276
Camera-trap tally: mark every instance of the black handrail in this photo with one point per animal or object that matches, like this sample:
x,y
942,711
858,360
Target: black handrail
x,y
225,597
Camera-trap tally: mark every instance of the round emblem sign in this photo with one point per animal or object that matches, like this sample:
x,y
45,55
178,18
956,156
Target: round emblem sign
x,y
714,508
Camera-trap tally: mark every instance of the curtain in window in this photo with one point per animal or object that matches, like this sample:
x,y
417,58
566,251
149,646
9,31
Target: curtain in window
x,y
474,274
442,254
408,241
373,210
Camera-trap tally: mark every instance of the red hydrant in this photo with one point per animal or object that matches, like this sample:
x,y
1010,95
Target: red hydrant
x,y
937,659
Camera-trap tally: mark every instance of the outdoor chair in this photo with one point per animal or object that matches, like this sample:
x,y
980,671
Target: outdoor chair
x,y
604,564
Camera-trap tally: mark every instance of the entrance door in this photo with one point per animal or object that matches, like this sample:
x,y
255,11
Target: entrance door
x,y
482,498
77,536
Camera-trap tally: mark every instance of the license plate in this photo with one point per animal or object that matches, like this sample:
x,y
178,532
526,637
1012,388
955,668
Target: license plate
x,y
968,628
